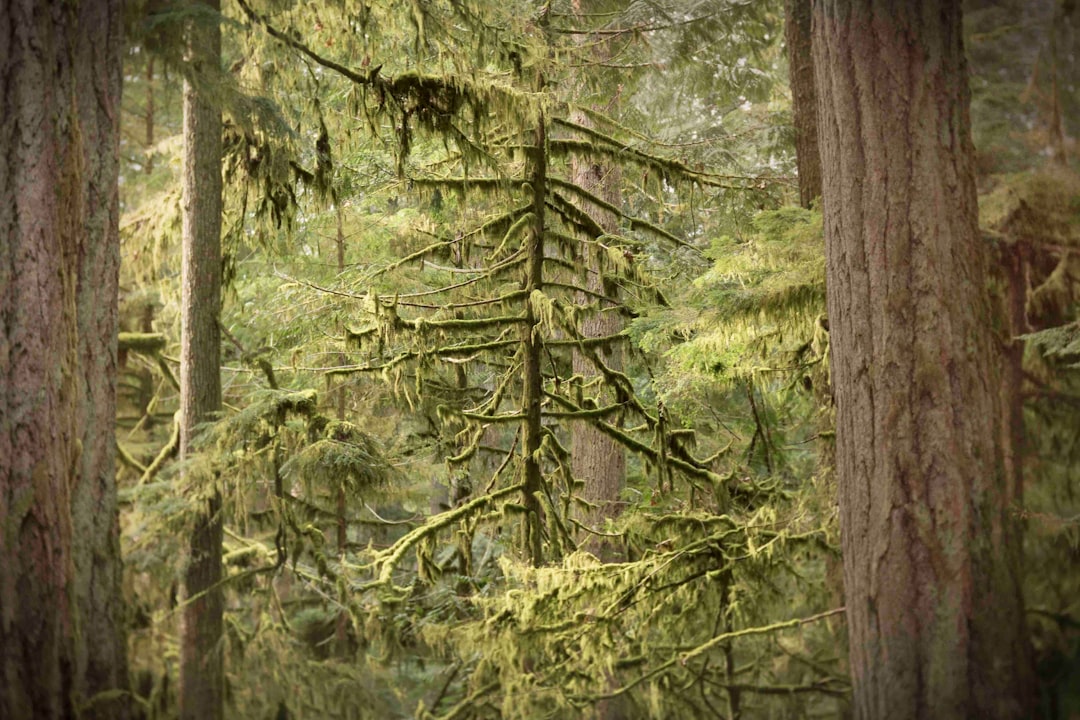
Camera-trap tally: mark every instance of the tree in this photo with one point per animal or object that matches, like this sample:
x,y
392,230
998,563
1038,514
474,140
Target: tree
x,y
934,608
598,459
62,644
202,687
803,99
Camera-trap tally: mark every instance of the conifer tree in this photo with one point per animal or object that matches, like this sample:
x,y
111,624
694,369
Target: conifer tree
x,y
803,98
62,637
202,681
526,255
930,546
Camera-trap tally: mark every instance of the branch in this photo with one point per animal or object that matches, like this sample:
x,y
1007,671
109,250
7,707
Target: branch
x,y
143,343
128,459
684,658
169,451
367,79
390,558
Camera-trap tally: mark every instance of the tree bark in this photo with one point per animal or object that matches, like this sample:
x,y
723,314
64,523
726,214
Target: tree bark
x,y
935,613
341,630
202,687
149,114
803,99
598,460
532,348
62,644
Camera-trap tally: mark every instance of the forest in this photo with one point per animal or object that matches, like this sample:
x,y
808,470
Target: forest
x,y
600,359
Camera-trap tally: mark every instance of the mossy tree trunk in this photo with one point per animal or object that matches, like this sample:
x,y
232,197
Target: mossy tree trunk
x,y
934,608
62,645
532,346
803,99
341,508
201,653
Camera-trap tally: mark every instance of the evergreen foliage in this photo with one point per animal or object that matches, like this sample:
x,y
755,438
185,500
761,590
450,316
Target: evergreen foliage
x,y
404,530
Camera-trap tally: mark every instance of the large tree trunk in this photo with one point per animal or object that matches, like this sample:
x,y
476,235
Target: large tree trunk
x,y
202,685
935,612
803,99
598,460
62,645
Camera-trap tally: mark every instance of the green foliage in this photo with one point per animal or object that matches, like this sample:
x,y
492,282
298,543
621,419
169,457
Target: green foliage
x,y
661,636
392,188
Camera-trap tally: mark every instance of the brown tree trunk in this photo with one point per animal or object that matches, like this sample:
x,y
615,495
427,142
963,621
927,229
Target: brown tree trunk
x,y
803,99
598,460
62,643
341,630
532,348
935,612
201,653
149,114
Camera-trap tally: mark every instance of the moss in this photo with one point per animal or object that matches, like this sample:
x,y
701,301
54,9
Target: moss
x,y
144,343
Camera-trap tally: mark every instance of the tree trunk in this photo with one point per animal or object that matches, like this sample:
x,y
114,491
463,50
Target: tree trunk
x,y
341,630
149,114
935,612
598,460
201,653
62,644
532,347
803,99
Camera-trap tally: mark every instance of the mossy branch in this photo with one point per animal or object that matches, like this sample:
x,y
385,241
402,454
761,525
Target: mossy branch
x,y
763,630
468,705
389,559
128,459
142,343
498,321
636,223
418,255
621,153
171,448
688,467
683,658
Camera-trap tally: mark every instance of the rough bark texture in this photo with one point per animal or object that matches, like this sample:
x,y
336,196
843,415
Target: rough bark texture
x,y
598,460
201,653
61,632
803,99
934,607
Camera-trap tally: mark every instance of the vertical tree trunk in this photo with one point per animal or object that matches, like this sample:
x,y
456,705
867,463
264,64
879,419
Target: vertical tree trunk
x,y
935,613
341,630
532,347
149,114
598,460
62,645
201,653
803,98
101,653
1014,262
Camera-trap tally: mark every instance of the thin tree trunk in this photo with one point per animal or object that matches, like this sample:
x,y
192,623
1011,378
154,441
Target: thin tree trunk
x,y
341,631
935,613
149,114
1015,266
803,99
201,628
532,348
62,646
